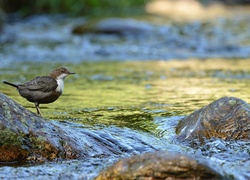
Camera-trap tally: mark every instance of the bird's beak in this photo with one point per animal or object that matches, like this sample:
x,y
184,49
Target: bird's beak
x,y
71,73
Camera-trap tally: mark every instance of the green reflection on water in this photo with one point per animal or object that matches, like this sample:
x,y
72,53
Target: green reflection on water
x,y
130,94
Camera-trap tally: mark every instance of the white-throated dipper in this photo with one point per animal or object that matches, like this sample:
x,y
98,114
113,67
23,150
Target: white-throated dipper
x,y
43,89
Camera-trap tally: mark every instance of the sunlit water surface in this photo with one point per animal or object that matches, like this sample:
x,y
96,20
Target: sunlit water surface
x,y
141,99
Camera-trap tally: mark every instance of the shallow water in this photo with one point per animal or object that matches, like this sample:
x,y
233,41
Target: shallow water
x,y
42,38
143,100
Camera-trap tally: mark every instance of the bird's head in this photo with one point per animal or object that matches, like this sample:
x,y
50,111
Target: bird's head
x,y
60,73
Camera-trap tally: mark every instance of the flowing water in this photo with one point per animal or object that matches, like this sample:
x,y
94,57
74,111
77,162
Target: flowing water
x,y
139,102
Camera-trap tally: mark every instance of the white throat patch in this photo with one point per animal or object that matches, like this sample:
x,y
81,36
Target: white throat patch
x,y
60,86
60,82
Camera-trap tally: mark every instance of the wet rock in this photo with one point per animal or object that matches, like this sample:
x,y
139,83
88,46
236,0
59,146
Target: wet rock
x,y
26,136
227,118
118,26
161,165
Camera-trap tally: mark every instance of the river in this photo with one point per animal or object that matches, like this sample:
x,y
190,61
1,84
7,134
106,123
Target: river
x,y
130,86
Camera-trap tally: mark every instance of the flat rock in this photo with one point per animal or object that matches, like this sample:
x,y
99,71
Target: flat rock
x,y
161,165
227,118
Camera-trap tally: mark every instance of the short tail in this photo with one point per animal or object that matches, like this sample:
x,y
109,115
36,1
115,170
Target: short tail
x,y
14,85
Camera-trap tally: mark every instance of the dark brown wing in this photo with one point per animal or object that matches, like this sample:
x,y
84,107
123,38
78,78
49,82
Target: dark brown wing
x,y
41,83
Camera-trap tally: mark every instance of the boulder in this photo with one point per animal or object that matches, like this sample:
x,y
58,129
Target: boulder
x,y
28,137
227,118
161,165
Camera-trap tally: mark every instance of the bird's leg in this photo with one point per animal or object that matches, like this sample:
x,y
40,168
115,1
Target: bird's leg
x,y
37,109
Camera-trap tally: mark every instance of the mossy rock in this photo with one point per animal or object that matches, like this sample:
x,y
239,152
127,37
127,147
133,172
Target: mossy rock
x,y
26,136
227,118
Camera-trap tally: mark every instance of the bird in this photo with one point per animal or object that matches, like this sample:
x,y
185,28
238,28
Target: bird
x,y
43,89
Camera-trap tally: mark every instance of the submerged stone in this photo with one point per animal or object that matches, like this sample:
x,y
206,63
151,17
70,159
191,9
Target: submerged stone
x,y
227,118
119,26
161,165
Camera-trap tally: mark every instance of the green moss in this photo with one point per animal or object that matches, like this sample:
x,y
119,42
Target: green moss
x,y
232,102
41,139
9,137
38,142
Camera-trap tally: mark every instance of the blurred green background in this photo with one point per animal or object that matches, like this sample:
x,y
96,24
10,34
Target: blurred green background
x,y
87,7
75,7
